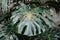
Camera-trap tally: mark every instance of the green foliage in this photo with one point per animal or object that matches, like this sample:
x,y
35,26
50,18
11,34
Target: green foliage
x,y
50,34
35,0
27,21
30,21
0,1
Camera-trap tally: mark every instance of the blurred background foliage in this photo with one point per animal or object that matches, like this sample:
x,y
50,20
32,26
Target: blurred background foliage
x,y
0,1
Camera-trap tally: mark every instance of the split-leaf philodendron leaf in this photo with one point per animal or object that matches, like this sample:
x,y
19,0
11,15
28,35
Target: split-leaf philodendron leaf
x,y
31,21
27,21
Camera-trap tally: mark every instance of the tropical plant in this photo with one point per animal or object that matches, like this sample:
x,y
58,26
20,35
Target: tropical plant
x,y
28,21
49,34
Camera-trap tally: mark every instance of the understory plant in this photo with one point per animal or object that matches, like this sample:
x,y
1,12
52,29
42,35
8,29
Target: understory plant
x,y
27,21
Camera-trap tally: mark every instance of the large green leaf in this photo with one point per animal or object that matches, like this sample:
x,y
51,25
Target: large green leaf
x,y
30,21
